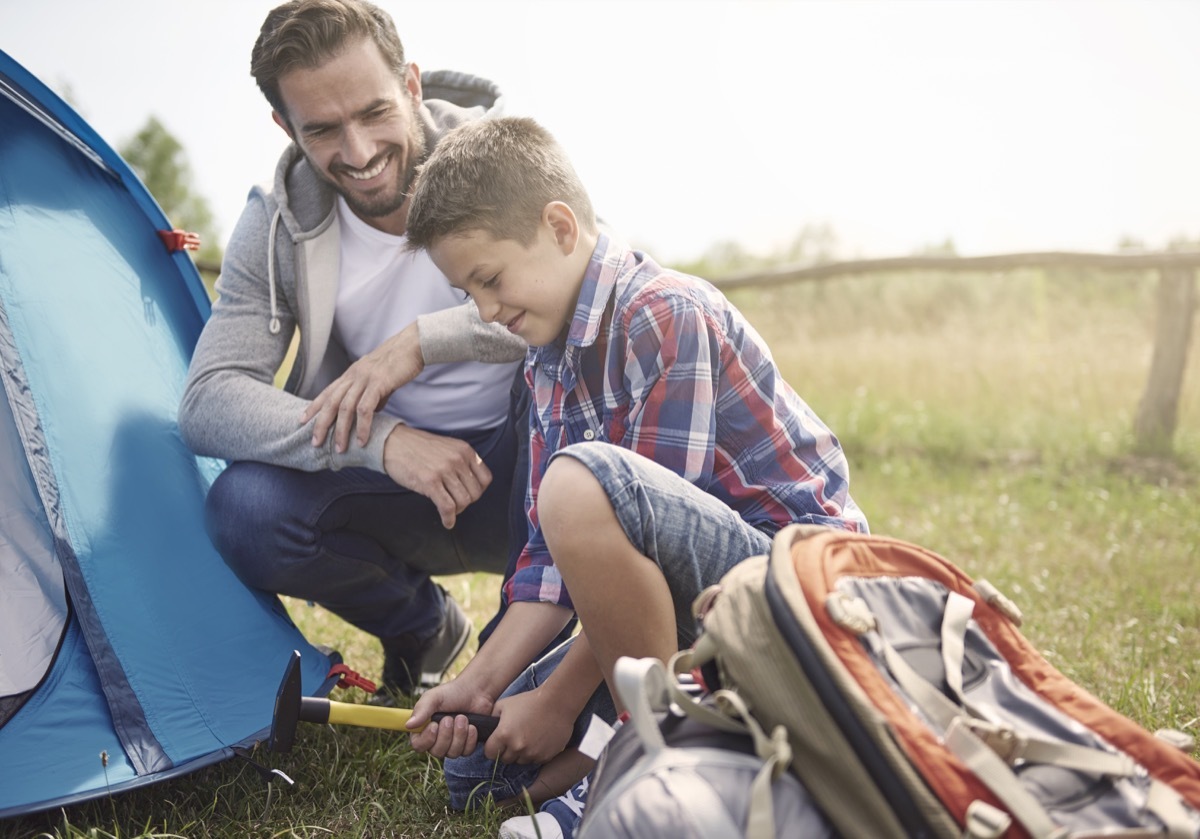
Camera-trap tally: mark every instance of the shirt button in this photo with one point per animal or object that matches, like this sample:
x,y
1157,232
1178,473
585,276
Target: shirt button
x,y
588,434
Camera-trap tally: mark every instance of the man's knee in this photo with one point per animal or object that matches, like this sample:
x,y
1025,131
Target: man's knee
x,y
241,518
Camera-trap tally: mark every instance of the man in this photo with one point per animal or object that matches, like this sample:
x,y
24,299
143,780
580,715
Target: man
x,y
322,500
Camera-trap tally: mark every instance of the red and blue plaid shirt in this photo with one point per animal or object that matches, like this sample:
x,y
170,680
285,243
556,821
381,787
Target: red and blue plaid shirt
x,y
661,363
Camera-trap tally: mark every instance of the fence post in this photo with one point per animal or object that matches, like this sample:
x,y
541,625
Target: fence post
x,y
1158,410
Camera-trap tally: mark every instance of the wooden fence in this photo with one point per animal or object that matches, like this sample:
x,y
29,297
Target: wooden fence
x,y
1158,410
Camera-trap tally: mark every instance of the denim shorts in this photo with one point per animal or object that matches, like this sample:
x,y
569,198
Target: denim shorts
x,y
692,536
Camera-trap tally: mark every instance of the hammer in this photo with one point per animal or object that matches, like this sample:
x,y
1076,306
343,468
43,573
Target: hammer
x,y
291,707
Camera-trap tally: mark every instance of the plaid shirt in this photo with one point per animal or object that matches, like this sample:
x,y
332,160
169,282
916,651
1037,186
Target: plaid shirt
x,y
661,363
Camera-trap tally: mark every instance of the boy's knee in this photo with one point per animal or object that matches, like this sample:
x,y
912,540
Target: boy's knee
x,y
567,491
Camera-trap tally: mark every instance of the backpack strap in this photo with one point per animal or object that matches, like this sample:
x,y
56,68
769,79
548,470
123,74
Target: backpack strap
x,y
731,714
642,686
988,748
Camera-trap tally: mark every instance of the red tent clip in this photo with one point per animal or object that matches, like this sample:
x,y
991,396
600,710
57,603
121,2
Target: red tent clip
x,y
350,678
178,240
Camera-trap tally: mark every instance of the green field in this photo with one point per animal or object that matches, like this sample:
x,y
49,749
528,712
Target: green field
x,y
986,417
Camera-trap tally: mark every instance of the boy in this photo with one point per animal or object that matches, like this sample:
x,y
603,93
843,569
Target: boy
x,y
664,448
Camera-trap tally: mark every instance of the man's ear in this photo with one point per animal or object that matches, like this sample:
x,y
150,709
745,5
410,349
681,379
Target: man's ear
x,y
560,218
412,81
282,122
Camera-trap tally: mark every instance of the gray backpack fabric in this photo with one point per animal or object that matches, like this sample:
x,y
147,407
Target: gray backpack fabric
x,y
914,707
669,775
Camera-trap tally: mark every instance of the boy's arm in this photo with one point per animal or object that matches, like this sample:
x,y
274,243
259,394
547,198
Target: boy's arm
x,y
539,723
673,358
522,633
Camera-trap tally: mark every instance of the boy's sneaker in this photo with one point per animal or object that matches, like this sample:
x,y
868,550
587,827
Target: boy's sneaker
x,y
558,818
540,825
411,666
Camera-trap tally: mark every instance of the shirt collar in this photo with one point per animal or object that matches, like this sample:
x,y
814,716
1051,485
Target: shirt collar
x,y
598,288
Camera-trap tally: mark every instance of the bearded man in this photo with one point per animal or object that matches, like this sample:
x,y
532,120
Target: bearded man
x,y
390,454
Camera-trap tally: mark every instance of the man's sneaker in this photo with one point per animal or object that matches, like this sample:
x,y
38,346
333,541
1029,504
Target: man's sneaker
x,y
411,665
445,647
558,818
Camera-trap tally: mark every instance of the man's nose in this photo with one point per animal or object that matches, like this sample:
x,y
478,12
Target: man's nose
x,y
357,148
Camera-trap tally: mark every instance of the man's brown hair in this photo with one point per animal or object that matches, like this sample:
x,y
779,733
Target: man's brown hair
x,y
303,34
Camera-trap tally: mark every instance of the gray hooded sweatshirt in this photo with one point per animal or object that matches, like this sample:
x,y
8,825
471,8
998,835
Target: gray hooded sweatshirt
x,y
280,278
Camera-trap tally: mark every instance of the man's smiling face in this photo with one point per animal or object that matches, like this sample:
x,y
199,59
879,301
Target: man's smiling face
x,y
358,125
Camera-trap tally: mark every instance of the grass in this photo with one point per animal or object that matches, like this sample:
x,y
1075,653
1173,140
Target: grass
x,y
985,417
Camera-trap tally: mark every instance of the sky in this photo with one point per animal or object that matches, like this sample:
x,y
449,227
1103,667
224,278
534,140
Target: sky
x,y
1023,125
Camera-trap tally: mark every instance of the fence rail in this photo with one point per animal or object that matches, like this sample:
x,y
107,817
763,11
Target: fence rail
x,y
783,275
1158,410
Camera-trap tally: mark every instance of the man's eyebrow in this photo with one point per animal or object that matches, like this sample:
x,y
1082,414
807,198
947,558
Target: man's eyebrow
x,y
374,106
310,127
313,127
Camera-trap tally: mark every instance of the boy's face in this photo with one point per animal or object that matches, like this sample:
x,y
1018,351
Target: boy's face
x,y
531,290
358,125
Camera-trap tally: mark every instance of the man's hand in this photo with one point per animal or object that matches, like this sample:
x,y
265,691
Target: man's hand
x,y
445,470
351,400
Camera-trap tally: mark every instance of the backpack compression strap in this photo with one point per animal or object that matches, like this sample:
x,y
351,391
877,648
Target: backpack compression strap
x,y
990,756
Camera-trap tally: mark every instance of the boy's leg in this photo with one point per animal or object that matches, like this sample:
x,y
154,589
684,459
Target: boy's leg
x,y
636,544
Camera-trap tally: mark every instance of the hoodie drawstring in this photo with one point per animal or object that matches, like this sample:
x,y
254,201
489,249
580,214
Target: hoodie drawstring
x,y
274,325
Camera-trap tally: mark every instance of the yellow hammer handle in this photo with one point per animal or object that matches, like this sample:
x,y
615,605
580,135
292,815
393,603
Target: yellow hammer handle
x,y
370,716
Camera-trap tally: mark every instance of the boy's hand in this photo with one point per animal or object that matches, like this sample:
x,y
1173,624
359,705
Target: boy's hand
x,y
531,730
448,737
351,400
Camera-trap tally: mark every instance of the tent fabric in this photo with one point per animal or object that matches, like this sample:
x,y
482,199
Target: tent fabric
x,y
122,632
33,599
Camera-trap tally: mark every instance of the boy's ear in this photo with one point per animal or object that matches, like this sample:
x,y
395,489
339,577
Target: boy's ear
x,y
560,218
282,122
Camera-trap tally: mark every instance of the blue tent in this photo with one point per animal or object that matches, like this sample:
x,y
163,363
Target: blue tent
x,y
129,653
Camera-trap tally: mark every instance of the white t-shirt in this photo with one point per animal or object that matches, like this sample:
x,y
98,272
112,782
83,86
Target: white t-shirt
x,y
382,287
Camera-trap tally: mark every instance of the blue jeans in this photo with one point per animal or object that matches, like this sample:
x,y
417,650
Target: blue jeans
x,y
362,546
692,536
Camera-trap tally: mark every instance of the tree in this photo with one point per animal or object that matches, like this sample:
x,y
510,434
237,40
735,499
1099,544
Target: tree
x,y
160,161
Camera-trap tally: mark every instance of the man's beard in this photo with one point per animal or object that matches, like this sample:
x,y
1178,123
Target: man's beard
x,y
386,202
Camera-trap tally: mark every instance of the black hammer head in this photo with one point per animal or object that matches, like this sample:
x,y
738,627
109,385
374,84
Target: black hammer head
x,y
287,707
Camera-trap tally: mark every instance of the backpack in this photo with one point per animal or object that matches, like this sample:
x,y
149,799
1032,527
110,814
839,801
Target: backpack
x,y
915,708
673,774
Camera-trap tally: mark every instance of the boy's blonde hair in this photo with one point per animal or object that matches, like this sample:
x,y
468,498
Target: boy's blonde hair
x,y
495,176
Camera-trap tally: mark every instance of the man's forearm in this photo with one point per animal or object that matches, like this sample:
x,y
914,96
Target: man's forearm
x,y
458,334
